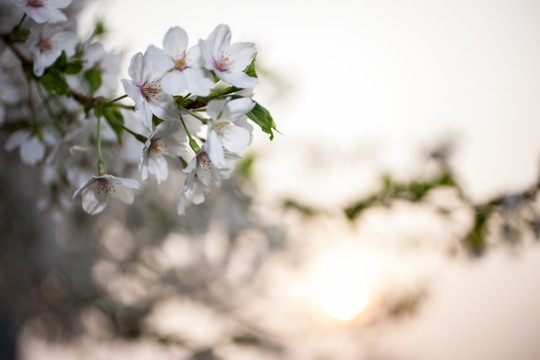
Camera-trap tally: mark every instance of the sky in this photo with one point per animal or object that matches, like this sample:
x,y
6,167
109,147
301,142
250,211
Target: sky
x,y
398,75
361,87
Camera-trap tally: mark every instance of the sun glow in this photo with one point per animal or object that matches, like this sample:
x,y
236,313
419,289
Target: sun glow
x,y
342,287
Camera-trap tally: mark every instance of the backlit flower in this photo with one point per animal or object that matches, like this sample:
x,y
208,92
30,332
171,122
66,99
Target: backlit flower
x,y
146,90
228,61
167,140
96,191
224,133
182,68
46,42
42,11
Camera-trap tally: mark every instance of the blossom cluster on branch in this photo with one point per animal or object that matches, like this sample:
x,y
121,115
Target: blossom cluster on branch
x,y
192,106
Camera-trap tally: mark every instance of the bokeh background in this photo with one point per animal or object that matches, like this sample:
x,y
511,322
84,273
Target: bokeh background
x,y
361,91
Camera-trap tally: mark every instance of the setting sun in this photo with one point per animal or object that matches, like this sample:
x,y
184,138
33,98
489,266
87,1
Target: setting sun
x,y
342,289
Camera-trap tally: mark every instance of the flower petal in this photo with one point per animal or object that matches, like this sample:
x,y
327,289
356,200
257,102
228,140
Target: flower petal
x,y
16,139
214,148
199,81
235,138
158,59
32,151
219,39
238,78
215,107
175,82
136,68
93,202
241,55
175,42
238,107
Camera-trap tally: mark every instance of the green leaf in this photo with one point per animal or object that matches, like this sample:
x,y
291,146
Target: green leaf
x,y
19,34
262,117
54,82
71,67
250,70
93,78
116,120
74,67
61,62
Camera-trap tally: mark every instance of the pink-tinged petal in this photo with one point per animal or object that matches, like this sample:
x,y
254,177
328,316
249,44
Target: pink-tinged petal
x,y
199,81
16,139
239,79
158,59
235,138
125,182
45,15
136,68
214,148
238,107
241,55
219,39
93,202
174,82
215,108
175,42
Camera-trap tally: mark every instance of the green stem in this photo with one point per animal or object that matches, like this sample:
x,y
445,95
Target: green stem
x,y
195,115
37,127
20,22
116,99
127,107
137,136
192,143
101,163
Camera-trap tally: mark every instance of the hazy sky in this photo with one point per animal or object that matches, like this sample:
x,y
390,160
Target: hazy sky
x,y
395,75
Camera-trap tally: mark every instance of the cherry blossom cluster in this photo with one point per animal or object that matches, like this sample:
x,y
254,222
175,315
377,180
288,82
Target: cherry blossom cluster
x,y
190,107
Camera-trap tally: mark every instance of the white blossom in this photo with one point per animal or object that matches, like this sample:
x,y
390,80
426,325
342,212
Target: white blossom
x,y
224,133
95,192
202,177
228,61
182,68
168,139
31,147
146,90
42,11
46,42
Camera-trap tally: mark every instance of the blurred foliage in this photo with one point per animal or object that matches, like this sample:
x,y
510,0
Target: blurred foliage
x,y
508,216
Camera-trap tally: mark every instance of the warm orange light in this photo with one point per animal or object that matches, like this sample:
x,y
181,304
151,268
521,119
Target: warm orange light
x,y
342,290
